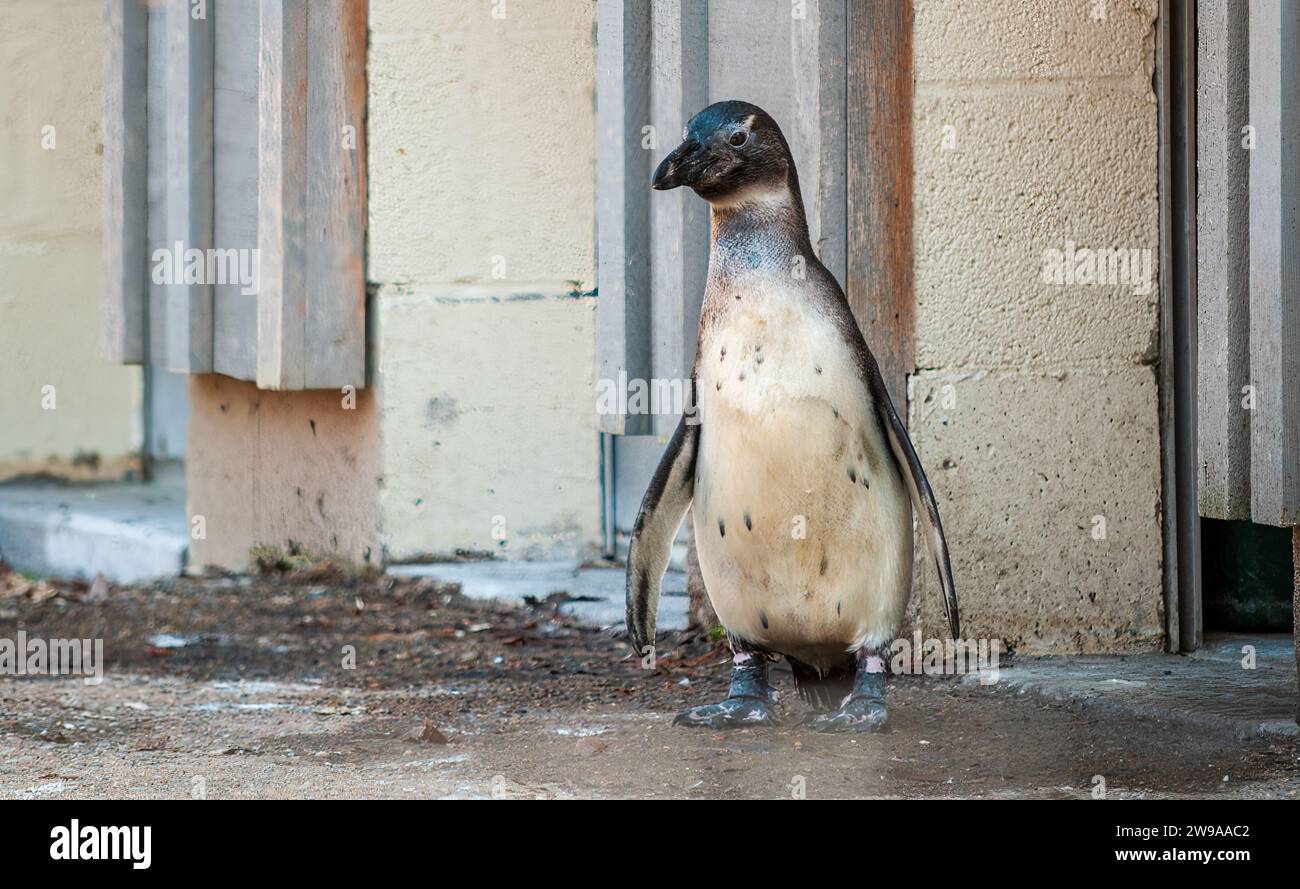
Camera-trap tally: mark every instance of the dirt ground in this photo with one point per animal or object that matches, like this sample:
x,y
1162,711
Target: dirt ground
x,y
240,687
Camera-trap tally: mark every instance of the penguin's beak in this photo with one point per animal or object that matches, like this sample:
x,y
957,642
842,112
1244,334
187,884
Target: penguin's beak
x,y
679,167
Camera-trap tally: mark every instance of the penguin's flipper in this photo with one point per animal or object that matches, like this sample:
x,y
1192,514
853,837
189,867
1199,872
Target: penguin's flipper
x,y
923,502
665,503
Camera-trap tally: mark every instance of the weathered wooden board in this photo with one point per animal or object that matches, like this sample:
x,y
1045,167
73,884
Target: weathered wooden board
x,y
818,126
124,298
879,186
1274,29
679,219
1223,260
789,59
282,195
234,227
623,319
156,186
187,203
336,194
228,126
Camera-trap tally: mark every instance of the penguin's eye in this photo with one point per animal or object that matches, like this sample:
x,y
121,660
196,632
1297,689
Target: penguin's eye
x,y
738,138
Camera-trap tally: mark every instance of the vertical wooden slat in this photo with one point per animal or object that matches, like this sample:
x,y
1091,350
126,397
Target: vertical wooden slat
x,y
187,117
1275,261
818,126
879,282
282,176
622,178
336,194
679,219
234,227
125,295
1223,260
156,185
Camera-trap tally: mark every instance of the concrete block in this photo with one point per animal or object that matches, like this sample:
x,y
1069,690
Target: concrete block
x,y
49,336
50,193
1032,39
482,142
488,425
281,468
52,79
1048,486
1021,174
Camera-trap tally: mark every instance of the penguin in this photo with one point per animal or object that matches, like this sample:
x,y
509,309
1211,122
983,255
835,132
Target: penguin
x,y
801,475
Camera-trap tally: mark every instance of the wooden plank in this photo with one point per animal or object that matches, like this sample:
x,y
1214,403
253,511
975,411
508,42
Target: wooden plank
x,y
751,54
818,127
156,185
234,226
187,205
879,282
679,219
622,208
790,60
1275,261
336,194
1223,266
124,300
282,179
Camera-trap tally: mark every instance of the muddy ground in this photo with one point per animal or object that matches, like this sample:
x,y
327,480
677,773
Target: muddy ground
x,y
238,687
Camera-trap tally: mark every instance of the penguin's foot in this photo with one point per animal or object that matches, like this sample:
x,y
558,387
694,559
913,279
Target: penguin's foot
x,y
858,714
731,713
750,702
862,711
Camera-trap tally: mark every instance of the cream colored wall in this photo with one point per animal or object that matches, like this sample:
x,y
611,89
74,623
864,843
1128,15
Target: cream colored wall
x,y
1036,407
481,232
49,252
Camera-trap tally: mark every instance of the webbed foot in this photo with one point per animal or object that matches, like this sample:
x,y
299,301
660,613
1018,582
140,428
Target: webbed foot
x,y
730,713
862,711
750,702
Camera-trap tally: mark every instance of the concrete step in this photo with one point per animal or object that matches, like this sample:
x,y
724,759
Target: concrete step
x,y
1242,685
132,533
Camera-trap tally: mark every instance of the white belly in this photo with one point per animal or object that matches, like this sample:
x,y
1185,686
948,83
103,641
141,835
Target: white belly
x,y
802,521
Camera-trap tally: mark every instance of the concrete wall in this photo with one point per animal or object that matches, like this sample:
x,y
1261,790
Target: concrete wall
x,y
49,253
481,240
1035,408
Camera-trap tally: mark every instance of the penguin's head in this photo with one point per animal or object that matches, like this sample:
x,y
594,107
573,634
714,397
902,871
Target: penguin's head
x,y
730,148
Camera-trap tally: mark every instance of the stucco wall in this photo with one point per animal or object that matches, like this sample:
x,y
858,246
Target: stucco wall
x,y
49,253
1035,408
481,238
